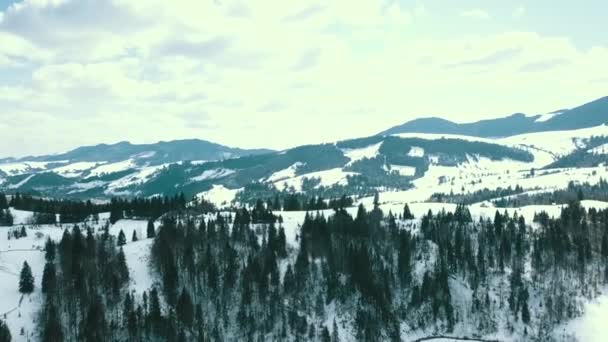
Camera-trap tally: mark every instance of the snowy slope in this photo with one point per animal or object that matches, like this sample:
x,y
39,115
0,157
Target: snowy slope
x,y
361,153
21,313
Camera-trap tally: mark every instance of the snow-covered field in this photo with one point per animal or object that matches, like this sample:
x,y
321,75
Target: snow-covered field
x,y
20,312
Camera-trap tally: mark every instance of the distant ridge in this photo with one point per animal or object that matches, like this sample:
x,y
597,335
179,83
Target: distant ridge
x,y
591,114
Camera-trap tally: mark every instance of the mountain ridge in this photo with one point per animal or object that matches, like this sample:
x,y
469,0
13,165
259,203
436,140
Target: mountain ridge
x,y
590,114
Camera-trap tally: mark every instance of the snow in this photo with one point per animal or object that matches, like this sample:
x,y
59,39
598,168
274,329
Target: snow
x,y
403,170
137,255
21,217
416,152
327,178
434,136
219,195
75,169
145,155
602,149
368,152
112,168
22,183
21,313
13,169
547,117
140,176
289,172
559,143
213,174
591,327
81,187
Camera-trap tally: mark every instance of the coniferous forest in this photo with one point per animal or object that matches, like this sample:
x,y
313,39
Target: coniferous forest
x,y
361,274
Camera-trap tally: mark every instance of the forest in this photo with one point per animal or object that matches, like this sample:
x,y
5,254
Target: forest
x,y
371,276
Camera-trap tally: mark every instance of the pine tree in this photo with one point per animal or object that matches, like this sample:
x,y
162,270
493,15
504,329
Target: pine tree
x,y
525,313
185,309
122,268
52,331
325,337
5,333
134,237
3,202
407,214
26,279
154,315
49,278
49,250
150,231
94,327
122,239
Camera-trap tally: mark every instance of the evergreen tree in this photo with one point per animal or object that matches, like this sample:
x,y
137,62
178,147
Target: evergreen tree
x,y
49,250
150,231
122,239
5,333
49,278
407,214
185,309
26,279
134,237
52,330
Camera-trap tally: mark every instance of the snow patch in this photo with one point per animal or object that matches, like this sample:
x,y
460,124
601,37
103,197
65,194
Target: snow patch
x,y
13,169
212,174
219,195
327,178
416,152
112,168
547,117
402,170
368,152
75,169
289,172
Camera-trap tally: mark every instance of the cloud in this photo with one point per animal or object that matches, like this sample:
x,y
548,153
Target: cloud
x,y
305,13
308,59
519,12
476,14
157,70
494,58
543,65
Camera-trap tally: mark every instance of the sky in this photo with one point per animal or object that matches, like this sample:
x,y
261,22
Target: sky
x,y
279,74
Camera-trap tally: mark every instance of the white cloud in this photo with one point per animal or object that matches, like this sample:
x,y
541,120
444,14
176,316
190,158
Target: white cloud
x,y
263,74
475,13
519,12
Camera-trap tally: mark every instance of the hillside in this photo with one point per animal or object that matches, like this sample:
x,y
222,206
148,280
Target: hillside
x,y
482,289
352,166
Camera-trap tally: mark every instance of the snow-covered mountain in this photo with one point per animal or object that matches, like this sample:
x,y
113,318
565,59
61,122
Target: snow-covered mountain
x,y
591,114
402,162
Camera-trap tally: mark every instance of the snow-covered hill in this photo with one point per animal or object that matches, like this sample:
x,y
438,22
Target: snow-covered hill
x,y
20,312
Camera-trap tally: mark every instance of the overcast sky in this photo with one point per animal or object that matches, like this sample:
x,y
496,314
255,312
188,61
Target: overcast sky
x,y
284,73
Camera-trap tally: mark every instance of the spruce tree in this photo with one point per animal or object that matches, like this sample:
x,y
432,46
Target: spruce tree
x,y
26,279
49,278
150,231
122,239
52,331
134,237
5,333
407,214
185,309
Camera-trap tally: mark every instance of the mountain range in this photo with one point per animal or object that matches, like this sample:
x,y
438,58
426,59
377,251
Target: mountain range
x,y
434,152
